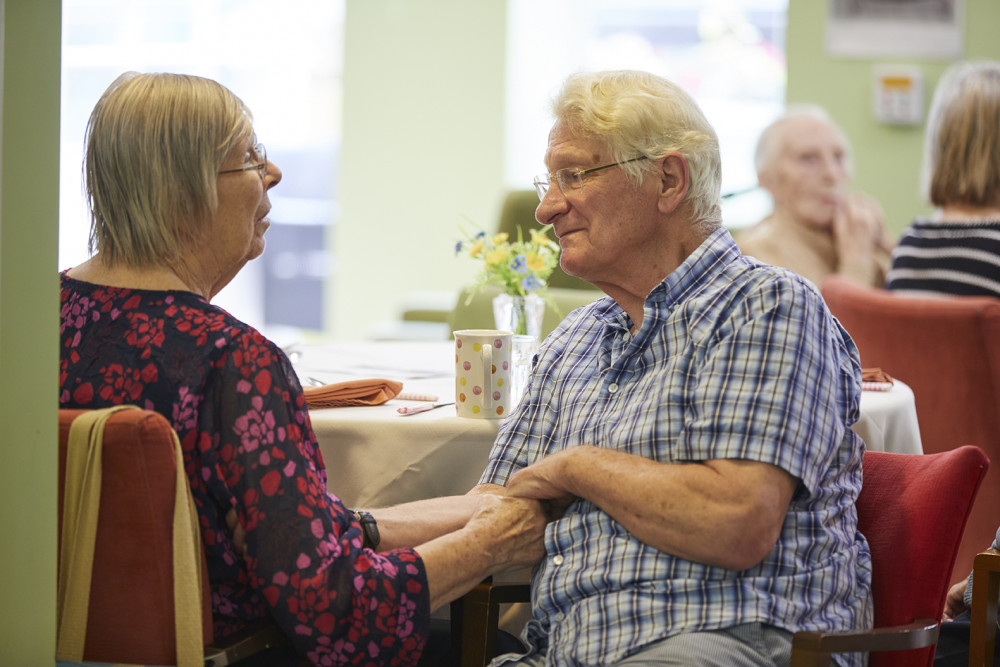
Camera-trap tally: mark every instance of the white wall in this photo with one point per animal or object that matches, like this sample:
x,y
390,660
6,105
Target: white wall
x,y
423,149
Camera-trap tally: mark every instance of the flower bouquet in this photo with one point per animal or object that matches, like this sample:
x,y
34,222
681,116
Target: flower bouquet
x,y
520,268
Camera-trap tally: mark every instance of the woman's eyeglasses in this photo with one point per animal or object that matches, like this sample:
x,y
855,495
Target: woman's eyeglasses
x,y
256,160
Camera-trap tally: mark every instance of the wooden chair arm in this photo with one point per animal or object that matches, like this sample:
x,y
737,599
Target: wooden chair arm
x,y
475,619
252,639
985,590
813,649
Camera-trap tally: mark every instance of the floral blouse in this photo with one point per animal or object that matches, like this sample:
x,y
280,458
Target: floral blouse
x,y
238,409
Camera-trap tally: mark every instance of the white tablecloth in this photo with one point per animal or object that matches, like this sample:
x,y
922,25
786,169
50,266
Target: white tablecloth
x,y
377,457
888,421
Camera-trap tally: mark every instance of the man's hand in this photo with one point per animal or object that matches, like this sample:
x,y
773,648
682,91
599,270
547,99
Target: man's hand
x,y
543,481
954,604
859,233
512,529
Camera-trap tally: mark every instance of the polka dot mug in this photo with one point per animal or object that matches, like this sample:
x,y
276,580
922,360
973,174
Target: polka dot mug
x,y
483,373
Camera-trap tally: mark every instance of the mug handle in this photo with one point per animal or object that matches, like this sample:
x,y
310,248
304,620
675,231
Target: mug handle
x,y
487,355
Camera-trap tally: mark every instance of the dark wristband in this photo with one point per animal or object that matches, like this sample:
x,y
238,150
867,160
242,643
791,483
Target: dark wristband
x,y
369,528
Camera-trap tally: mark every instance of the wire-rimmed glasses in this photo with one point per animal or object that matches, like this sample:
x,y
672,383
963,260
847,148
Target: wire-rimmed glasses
x,y
256,160
569,179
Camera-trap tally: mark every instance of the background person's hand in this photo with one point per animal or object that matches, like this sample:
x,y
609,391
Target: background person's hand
x,y
859,233
953,603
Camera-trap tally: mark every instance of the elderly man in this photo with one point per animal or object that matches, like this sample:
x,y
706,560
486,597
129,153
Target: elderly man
x,y
817,227
691,430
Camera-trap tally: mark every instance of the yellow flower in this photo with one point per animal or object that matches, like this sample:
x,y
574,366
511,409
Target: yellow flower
x,y
496,256
476,249
500,238
534,261
539,238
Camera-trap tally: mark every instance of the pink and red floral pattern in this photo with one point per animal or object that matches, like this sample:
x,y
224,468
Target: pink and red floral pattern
x,y
238,409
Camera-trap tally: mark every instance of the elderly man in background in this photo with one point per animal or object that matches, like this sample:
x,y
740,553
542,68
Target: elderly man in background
x,y
690,430
817,227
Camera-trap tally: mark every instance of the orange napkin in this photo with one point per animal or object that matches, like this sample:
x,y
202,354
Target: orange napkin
x,y
875,379
875,375
355,392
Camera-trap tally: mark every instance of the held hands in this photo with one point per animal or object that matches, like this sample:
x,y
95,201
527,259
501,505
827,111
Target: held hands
x,y
512,529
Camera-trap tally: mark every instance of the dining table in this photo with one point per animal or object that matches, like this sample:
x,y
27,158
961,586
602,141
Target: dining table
x,y
375,456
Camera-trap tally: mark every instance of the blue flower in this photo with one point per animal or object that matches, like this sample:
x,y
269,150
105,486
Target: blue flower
x,y
530,283
480,235
520,264
458,248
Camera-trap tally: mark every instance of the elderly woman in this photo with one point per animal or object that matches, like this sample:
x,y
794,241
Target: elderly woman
x,y
178,191
818,227
956,251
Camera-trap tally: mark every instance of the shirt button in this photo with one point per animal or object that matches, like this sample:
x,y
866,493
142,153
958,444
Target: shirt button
x,y
560,616
612,388
558,560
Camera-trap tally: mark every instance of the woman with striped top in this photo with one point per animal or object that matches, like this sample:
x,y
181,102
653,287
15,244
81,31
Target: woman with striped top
x,y
957,250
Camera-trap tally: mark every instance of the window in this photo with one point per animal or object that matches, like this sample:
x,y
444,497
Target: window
x,y
284,60
729,54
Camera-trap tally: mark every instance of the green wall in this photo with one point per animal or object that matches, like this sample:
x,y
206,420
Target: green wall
x,y
886,158
29,329
423,149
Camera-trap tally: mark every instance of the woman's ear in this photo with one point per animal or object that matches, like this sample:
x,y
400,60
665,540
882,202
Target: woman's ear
x,y
675,179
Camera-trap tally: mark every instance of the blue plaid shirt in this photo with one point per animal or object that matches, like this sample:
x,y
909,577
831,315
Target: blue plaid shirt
x,y
735,360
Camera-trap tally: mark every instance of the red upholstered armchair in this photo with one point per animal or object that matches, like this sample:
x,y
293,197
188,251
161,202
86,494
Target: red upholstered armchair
x,y
947,349
130,615
912,510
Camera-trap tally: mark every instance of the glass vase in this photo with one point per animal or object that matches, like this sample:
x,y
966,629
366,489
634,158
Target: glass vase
x,y
521,315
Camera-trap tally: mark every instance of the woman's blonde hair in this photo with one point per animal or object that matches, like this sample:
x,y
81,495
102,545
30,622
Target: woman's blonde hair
x,y
637,113
154,146
962,143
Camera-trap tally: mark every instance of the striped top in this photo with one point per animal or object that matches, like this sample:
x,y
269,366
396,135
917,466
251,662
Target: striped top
x,y
948,258
734,359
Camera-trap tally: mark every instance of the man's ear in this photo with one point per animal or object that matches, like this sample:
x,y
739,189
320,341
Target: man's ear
x,y
675,179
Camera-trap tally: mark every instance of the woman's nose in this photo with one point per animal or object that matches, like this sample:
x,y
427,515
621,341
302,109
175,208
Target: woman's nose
x,y
273,175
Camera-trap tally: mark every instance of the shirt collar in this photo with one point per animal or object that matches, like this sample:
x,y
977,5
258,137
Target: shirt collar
x,y
699,268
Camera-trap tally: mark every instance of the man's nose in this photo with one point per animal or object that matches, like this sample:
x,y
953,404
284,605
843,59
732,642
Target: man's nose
x,y
552,204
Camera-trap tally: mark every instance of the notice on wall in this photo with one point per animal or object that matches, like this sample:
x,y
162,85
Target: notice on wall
x,y
895,28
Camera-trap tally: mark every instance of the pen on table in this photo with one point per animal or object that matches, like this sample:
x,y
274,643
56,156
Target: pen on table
x,y
423,407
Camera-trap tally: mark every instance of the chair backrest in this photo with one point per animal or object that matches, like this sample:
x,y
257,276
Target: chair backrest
x,y
912,510
947,349
131,608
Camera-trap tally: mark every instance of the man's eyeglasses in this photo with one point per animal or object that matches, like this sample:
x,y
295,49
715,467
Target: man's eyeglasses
x,y
570,179
256,159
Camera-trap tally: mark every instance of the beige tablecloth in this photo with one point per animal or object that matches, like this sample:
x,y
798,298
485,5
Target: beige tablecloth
x,y
377,457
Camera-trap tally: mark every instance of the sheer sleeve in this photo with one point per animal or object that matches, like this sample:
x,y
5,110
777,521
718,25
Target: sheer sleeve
x,y
340,603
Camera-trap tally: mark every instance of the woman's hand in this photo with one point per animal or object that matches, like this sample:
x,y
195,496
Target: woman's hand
x,y
237,533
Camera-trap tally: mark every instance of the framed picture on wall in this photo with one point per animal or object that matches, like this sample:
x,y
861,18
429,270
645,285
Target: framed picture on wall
x,y
895,28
